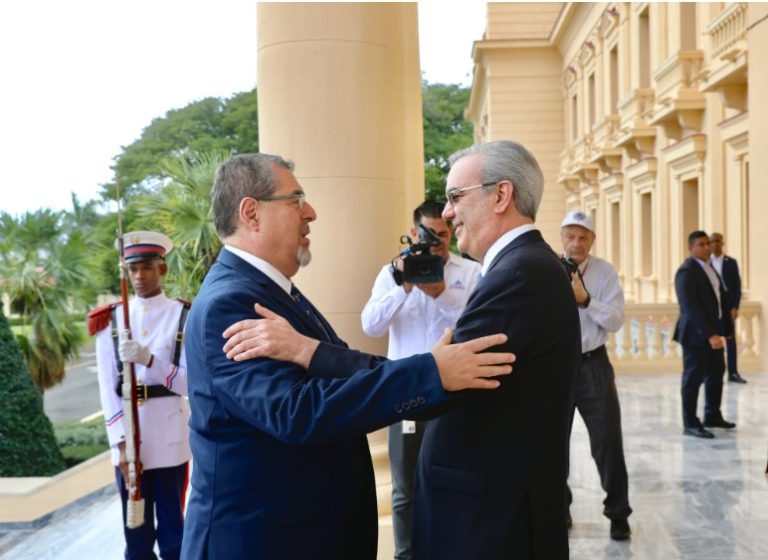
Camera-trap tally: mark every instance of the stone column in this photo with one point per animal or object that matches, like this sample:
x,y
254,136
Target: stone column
x,y
339,91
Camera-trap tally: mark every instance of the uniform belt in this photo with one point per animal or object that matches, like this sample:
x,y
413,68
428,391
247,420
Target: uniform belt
x,y
145,392
593,353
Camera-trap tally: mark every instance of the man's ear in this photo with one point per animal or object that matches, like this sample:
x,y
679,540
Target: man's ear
x,y
505,195
414,233
163,268
249,213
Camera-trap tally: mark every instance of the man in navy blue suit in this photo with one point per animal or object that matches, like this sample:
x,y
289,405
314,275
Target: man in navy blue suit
x,y
281,462
701,328
492,470
728,269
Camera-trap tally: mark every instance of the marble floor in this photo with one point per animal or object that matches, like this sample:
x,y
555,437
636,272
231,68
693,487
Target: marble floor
x,y
692,498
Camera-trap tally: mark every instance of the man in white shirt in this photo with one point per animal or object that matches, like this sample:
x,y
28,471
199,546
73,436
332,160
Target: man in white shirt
x,y
601,311
415,316
156,351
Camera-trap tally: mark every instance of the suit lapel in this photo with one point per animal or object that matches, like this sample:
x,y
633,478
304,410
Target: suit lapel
x,y
276,293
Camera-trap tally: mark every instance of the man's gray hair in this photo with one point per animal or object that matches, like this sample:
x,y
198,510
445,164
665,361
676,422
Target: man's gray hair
x,y
505,159
241,176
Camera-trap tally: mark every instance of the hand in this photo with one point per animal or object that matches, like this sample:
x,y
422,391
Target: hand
x,y
579,291
466,366
734,314
717,342
270,337
132,351
433,289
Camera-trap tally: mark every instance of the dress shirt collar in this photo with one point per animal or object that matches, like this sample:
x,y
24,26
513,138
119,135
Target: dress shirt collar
x,y
153,301
263,266
502,242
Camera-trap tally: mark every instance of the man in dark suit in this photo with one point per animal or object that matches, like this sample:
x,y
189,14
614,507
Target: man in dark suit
x,y
728,269
491,475
703,323
281,462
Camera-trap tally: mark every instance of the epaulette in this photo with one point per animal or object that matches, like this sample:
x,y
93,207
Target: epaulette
x,y
184,302
99,318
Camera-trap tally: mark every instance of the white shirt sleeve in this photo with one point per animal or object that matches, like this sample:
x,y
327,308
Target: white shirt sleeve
x,y
386,300
111,403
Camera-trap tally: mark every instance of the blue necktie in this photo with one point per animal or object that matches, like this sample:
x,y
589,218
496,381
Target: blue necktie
x,y
307,308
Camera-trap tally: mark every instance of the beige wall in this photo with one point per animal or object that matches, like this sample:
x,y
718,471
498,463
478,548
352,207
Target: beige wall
x,y
340,94
639,114
757,39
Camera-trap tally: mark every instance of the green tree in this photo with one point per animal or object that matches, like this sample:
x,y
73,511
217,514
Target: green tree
x,y
209,125
182,210
27,443
43,270
445,131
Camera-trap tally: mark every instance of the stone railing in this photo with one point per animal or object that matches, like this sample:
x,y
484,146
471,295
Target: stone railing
x,y
727,29
644,343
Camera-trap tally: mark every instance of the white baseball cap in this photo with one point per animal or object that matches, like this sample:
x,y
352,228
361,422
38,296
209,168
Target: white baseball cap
x,y
579,218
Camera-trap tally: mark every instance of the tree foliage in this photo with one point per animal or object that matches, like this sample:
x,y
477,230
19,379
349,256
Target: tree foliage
x,y
27,443
209,125
445,131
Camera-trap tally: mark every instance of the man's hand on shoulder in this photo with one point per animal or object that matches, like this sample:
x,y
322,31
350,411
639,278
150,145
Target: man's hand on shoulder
x,y
269,337
465,365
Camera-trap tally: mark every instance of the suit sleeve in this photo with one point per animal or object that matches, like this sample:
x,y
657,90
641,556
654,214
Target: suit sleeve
x,y
689,298
282,400
736,289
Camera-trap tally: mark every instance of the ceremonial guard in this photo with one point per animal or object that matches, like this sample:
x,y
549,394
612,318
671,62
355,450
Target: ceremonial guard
x,y
154,346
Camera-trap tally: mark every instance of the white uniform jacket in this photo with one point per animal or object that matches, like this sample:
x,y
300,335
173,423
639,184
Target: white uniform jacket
x,y
162,420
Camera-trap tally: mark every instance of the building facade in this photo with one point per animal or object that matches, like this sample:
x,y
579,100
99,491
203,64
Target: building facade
x,y
640,115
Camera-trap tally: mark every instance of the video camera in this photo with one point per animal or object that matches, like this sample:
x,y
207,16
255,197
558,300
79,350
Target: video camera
x,y
570,265
419,266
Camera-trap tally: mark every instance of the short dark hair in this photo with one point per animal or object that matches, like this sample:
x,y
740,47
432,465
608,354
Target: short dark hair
x,y
694,235
715,234
241,176
428,209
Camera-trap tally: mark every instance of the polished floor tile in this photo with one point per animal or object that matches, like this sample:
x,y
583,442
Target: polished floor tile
x,y
692,498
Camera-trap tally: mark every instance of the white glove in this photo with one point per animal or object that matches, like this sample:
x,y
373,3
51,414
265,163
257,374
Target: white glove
x,y
132,351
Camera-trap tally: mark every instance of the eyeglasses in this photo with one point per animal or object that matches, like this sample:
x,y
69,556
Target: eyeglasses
x,y
454,195
300,197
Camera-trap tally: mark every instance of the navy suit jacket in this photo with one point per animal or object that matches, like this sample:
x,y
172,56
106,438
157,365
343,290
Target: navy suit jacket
x,y
492,470
698,319
732,280
281,461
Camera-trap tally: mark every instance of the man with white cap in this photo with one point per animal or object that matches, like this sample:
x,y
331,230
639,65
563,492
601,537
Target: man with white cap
x,y
157,352
601,311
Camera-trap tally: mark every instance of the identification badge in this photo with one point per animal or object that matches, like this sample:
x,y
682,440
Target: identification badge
x,y
409,427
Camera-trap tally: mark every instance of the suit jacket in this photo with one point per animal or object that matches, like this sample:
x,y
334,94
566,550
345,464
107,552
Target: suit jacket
x,y
492,470
732,280
281,462
698,319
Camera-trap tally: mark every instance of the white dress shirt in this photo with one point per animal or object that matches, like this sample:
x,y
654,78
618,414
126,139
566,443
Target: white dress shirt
x,y
502,242
605,312
415,321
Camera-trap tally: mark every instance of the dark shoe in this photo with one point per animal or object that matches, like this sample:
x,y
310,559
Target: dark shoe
x,y
719,424
620,530
569,520
698,432
736,378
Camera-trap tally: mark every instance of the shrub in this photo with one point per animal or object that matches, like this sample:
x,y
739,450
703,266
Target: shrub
x,y
27,443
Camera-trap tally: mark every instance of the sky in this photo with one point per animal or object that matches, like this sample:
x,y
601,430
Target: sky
x,y
82,78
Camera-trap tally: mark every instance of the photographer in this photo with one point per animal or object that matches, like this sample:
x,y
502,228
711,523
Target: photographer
x,y
415,315
601,311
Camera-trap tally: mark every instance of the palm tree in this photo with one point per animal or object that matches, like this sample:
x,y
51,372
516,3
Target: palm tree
x,y
182,210
41,270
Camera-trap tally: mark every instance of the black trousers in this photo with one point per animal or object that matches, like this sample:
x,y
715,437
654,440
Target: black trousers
x,y
702,364
730,344
598,404
403,454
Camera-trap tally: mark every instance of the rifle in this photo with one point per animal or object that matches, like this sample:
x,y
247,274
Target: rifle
x,y
134,515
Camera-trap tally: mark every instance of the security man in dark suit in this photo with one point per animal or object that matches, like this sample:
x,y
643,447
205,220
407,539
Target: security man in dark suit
x,y
703,323
728,269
